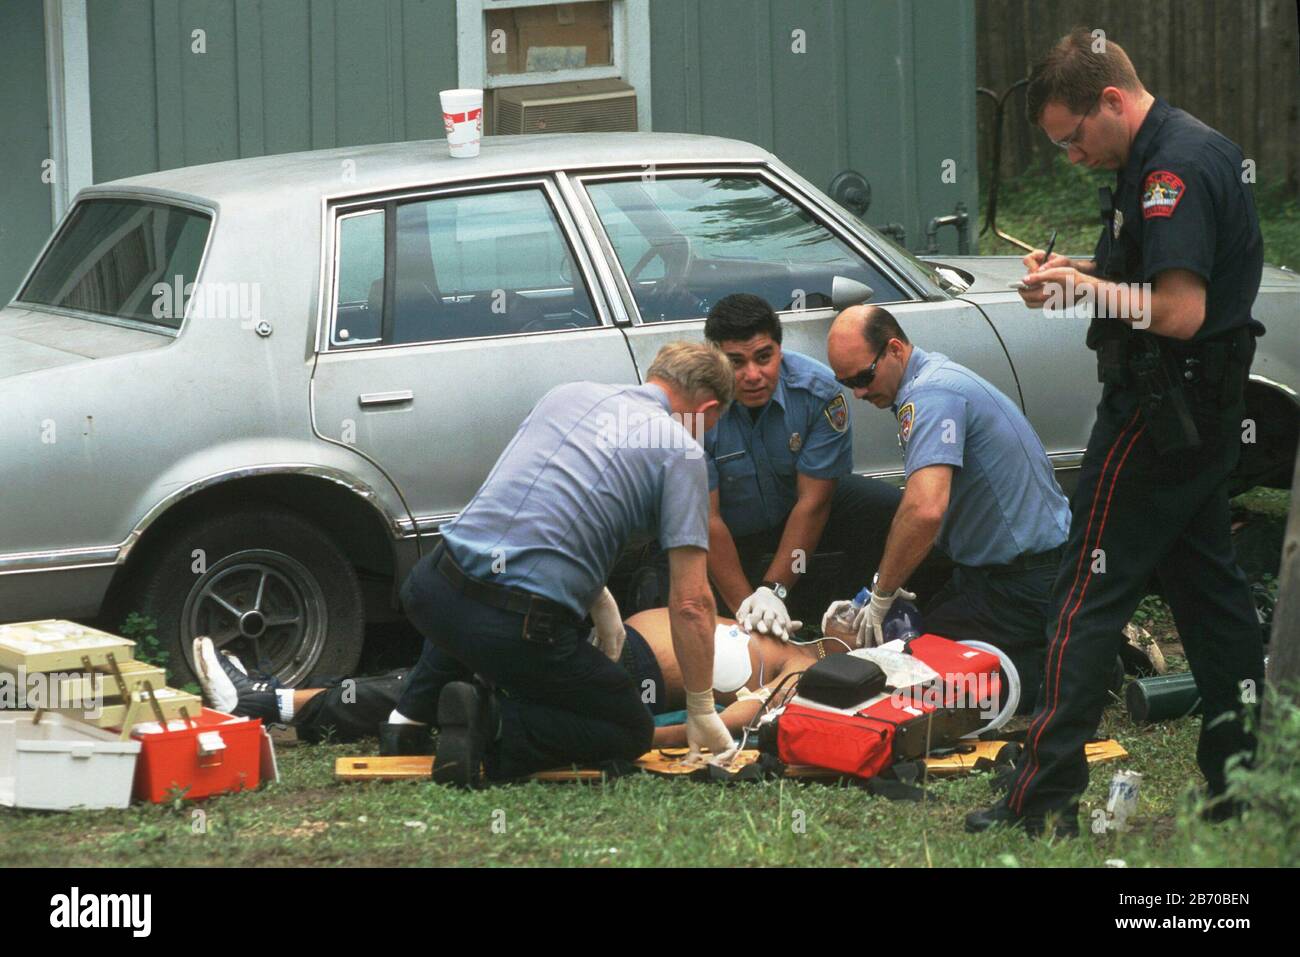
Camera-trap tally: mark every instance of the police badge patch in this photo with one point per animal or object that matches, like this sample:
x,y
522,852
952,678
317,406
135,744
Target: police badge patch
x,y
837,413
905,416
796,442
1160,194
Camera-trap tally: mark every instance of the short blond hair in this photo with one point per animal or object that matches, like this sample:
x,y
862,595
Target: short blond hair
x,y
694,368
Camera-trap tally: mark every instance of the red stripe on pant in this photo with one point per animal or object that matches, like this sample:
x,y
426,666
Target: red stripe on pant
x,y
1053,685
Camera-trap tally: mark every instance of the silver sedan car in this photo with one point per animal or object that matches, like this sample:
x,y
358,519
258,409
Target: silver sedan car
x,y
242,398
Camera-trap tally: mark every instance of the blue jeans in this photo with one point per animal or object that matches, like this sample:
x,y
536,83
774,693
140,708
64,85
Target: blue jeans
x,y
561,703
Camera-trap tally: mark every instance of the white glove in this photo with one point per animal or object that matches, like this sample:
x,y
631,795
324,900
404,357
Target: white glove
x,y
833,611
704,729
872,616
765,613
610,633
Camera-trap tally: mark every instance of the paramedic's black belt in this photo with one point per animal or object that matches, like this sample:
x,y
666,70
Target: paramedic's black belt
x,y
542,616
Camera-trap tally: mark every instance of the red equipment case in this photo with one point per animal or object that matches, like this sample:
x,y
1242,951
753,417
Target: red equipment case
x,y
214,754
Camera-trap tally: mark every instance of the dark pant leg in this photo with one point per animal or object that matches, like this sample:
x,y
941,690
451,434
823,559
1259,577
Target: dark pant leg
x,y
1130,507
560,703
435,668
1094,594
1218,626
1005,608
351,708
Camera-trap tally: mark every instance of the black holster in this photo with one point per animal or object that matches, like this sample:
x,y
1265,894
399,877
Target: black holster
x,y
1109,338
1162,397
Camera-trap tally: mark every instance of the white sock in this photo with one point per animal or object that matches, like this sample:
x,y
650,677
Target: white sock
x,y
284,697
398,718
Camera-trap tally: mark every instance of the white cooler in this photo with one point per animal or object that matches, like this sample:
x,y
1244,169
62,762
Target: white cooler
x,y
61,764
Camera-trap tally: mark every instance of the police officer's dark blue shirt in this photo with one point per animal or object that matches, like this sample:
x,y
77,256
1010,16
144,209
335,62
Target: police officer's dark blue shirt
x,y
803,430
591,466
1181,202
1004,501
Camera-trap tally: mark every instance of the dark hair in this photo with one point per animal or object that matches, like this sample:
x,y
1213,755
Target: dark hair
x,y
880,327
1075,71
739,317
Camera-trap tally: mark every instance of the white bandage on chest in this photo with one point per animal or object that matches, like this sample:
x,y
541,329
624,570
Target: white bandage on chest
x,y
731,664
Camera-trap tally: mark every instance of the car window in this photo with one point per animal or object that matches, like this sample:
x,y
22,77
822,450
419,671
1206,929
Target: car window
x,y
483,264
686,242
360,303
112,253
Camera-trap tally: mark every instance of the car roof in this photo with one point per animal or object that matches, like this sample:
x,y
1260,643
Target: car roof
x,y
320,174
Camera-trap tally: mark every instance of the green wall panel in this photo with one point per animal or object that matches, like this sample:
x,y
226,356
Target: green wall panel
x,y
24,141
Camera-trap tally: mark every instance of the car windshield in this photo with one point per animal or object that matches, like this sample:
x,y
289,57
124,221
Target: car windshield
x,y
124,259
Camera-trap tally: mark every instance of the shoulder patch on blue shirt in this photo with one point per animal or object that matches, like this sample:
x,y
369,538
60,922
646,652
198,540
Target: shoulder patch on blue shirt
x,y
905,416
837,413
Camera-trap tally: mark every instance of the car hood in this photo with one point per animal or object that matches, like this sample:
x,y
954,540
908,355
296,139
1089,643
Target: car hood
x,y
32,340
993,273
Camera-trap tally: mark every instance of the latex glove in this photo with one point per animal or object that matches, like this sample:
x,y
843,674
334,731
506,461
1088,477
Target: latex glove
x,y
872,617
833,610
610,633
765,613
704,729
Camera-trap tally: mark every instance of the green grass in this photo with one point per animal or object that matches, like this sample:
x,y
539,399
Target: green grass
x,y
1065,198
309,819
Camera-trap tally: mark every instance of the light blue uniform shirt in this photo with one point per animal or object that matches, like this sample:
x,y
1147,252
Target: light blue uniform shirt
x,y
804,429
1004,501
592,466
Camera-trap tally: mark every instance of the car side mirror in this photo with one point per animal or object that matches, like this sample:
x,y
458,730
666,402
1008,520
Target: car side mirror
x,y
847,292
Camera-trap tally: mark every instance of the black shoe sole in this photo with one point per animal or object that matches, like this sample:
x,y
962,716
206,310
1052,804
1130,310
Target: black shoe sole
x,y
461,735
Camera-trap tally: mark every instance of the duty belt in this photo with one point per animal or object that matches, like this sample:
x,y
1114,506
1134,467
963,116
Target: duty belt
x,y
1051,557
543,618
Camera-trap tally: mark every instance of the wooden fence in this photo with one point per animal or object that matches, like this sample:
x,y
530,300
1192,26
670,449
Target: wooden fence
x,y
1232,63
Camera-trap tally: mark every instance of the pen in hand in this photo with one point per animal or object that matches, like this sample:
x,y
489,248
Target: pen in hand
x,y
1047,253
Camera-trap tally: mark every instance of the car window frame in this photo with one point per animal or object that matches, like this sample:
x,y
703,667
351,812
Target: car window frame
x,y
772,178
139,196
337,209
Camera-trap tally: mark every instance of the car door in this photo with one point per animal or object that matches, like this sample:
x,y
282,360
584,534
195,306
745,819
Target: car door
x,y
452,311
686,237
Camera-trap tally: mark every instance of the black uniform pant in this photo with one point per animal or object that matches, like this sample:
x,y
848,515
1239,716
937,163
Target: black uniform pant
x,y
1135,512
1005,606
561,703
349,709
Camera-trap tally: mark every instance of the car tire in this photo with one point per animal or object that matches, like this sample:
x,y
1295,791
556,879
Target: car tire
x,y
262,562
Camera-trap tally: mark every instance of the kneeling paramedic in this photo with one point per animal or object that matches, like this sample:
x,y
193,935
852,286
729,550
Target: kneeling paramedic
x,y
781,479
980,487
506,673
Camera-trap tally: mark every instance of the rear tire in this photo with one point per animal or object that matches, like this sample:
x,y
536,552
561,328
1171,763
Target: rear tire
x,y
263,583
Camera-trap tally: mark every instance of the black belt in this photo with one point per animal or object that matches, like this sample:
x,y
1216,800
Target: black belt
x,y
1038,559
542,617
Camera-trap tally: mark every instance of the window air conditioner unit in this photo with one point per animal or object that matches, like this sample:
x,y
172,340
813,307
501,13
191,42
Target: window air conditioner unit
x,y
583,106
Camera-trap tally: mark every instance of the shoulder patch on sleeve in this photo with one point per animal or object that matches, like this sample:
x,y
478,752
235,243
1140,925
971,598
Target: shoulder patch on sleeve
x,y
905,416
837,413
1161,192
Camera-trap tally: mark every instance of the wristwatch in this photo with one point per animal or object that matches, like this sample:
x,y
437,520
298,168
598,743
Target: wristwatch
x,y
777,589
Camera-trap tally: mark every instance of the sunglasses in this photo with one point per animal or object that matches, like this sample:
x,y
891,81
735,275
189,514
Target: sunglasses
x,y
1073,138
860,380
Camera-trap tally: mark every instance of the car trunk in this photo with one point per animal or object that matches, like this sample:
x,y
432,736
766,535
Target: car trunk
x,y
32,340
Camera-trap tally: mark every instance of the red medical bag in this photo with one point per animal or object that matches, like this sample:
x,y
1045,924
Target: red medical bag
x,y
897,725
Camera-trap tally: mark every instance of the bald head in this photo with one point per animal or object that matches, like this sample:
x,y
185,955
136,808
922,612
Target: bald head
x,y
862,337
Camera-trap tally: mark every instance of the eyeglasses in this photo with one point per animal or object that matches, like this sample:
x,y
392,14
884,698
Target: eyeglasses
x,y
860,380
1073,138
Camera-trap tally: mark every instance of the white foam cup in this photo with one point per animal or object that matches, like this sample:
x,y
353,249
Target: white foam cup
x,y
462,117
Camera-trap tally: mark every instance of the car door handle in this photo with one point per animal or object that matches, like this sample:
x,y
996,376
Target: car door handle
x,y
371,399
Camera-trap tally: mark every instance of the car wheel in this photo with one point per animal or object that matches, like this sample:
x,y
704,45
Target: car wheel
x,y
268,586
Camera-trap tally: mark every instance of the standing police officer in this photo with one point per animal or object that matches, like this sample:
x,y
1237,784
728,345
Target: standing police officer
x,y
504,595
1175,272
781,476
979,487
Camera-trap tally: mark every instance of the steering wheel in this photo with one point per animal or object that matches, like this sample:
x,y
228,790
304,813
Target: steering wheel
x,y
678,257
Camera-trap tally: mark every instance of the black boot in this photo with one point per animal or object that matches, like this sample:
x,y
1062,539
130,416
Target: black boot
x,y
1066,822
465,728
405,739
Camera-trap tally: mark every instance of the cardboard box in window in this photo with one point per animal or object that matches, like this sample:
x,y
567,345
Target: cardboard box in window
x,y
557,37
